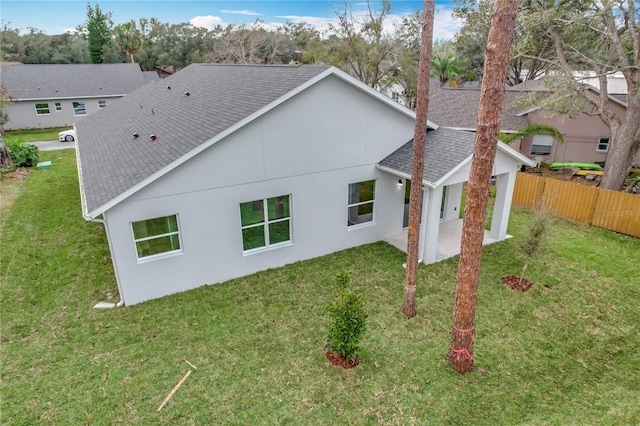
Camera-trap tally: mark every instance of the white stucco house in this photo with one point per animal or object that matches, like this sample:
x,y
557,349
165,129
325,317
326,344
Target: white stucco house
x,y
220,171
57,95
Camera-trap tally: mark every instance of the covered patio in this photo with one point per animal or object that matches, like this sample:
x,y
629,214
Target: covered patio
x,y
447,165
449,236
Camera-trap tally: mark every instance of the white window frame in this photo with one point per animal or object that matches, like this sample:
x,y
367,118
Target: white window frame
x,y
41,110
265,225
157,236
541,140
351,224
102,104
77,108
57,106
601,143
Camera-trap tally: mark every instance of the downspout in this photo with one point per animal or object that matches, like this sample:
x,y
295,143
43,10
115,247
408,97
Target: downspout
x,y
113,262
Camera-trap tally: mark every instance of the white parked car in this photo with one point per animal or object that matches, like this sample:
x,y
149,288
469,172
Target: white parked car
x,y
67,136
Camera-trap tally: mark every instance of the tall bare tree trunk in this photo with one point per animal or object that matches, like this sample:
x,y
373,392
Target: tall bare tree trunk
x,y
420,133
496,61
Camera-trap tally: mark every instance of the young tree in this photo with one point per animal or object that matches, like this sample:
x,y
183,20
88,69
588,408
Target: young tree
x,y
98,26
496,61
128,38
420,134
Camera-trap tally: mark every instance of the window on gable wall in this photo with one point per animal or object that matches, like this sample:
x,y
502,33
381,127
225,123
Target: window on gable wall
x,y
541,145
265,223
361,199
603,145
42,109
102,104
156,236
58,106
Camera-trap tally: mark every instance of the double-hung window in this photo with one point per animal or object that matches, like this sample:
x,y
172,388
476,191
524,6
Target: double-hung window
x,y
102,104
156,236
603,145
58,106
265,223
360,205
43,109
79,108
541,145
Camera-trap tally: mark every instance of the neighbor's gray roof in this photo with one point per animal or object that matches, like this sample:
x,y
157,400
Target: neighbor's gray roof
x,y
444,150
56,81
220,96
458,108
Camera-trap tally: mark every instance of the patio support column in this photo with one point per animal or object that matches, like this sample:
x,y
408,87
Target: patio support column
x,y
431,225
504,192
423,220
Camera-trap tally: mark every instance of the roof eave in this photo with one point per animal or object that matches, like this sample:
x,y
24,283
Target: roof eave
x,y
402,175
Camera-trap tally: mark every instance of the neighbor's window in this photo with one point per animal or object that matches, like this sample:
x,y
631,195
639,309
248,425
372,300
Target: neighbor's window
x,y
102,104
42,109
58,106
265,222
156,236
395,96
541,145
361,199
603,145
79,108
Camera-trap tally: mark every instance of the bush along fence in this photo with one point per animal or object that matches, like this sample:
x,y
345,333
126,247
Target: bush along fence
x,y
616,211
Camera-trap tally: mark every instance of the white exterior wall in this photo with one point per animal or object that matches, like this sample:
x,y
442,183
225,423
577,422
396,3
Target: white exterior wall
x,y
22,114
312,147
453,202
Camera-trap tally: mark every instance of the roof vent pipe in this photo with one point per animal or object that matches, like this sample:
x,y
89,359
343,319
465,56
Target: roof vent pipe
x,y
153,137
187,93
135,135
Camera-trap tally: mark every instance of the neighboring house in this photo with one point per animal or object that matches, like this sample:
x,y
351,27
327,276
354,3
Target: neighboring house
x,y
586,137
47,95
220,171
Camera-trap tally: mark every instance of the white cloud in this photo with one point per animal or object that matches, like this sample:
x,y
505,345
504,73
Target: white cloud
x,y
445,26
209,22
241,12
320,24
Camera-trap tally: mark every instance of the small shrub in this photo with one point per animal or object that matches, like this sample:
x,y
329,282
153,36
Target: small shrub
x,y
349,320
23,154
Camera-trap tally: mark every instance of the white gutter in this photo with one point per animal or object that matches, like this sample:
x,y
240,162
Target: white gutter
x,y
403,175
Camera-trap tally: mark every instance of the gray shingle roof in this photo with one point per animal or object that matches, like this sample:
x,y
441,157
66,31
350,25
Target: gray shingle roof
x,y
54,81
459,108
444,150
220,96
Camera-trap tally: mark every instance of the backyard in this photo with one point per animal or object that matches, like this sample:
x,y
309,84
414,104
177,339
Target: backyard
x,y
565,352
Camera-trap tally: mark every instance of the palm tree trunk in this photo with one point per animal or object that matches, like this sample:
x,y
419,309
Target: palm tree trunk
x,y
420,133
501,34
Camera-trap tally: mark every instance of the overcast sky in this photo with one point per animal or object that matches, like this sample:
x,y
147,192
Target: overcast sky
x,y
56,17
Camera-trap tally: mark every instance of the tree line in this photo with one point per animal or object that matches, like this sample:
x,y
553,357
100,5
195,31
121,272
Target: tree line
x,y
360,44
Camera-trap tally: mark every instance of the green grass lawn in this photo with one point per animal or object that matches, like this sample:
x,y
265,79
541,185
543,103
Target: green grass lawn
x,y
33,135
568,353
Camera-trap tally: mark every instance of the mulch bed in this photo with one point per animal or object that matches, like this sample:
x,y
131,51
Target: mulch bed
x,y
514,283
338,360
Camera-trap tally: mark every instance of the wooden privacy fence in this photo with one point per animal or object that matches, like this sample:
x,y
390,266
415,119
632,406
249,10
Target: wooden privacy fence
x,y
616,211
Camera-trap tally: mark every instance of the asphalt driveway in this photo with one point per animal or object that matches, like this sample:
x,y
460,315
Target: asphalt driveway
x,y
53,145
